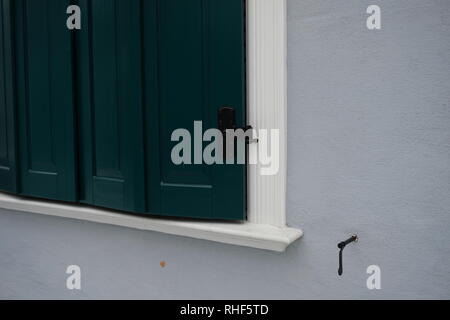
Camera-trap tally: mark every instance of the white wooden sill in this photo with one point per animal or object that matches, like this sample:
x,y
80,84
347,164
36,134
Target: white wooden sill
x,y
242,234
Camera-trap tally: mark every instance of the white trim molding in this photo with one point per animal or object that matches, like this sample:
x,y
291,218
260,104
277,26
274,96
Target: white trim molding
x,y
267,104
267,109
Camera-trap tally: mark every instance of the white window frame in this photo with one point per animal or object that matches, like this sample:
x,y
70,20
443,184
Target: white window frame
x,y
267,109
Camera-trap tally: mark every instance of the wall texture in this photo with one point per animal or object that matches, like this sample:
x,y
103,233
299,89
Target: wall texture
x,y
369,153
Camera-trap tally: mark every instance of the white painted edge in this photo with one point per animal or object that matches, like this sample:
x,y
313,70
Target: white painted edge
x,y
267,105
235,233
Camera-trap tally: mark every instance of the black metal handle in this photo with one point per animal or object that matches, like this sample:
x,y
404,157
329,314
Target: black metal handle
x,y
226,118
341,247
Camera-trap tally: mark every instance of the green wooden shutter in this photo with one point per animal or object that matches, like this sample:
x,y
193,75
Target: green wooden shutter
x,y
7,117
96,107
188,56
195,64
45,100
111,108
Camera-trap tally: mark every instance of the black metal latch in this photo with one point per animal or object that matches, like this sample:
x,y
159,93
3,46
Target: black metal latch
x,y
341,247
226,117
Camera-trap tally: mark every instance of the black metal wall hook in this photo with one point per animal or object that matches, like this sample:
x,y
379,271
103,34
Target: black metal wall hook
x,y
341,247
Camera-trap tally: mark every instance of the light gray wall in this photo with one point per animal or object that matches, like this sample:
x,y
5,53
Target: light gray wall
x,y
369,153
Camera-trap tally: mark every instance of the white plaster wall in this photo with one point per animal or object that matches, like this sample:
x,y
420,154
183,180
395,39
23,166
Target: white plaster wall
x,y
369,153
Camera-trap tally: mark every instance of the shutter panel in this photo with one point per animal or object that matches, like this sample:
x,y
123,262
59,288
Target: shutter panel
x,y
111,109
7,123
45,100
196,65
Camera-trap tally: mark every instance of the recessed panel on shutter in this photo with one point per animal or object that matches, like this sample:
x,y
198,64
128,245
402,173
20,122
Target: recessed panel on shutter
x,y
45,100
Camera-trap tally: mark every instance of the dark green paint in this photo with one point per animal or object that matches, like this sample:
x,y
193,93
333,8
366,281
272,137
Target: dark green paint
x,y
45,100
111,108
8,178
200,67
97,107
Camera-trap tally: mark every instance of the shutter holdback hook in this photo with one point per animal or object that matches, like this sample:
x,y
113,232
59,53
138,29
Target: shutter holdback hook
x,y
341,246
